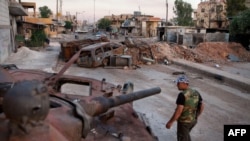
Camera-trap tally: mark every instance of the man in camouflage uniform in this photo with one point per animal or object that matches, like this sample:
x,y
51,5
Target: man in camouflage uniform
x,y
189,107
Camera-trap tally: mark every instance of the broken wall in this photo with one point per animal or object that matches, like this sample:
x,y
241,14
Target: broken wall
x,y
193,39
179,34
171,35
198,38
217,37
188,39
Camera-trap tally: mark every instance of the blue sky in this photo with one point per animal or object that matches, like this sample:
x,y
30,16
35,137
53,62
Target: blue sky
x,y
85,8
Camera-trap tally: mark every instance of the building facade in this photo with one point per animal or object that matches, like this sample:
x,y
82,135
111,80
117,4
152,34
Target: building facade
x,y
10,10
5,30
211,14
140,25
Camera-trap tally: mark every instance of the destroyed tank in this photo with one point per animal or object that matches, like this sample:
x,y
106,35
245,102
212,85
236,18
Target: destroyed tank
x,y
36,106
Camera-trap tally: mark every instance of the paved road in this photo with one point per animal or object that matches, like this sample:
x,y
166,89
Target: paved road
x,y
224,104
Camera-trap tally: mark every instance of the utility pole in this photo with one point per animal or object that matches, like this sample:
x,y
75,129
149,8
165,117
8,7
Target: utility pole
x,y
166,12
94,16
57,10
60,9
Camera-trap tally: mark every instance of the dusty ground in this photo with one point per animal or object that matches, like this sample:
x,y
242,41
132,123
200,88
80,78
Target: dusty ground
x,y
223,104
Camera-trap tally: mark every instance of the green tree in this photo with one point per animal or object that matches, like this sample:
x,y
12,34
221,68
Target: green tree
x,y
45,11
104,23
37,38
68,25
235,6
240,24
183,11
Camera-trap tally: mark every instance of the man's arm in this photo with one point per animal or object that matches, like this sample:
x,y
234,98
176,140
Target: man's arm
x,y
175,116
201,108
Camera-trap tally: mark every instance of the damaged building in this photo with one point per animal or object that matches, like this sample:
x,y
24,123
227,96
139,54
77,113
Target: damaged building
x,y
10,10
135,24
211,25
211,14
190,36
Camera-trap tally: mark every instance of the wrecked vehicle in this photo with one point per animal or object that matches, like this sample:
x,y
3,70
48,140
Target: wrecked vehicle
x,y
35,105
119,61
102,54
69,48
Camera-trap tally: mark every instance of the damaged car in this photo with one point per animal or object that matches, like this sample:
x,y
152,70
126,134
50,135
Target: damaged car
x,y
99,54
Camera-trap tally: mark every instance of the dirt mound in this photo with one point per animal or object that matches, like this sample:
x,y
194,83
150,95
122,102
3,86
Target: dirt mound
x,y
214,52
24,54
220,52
186,53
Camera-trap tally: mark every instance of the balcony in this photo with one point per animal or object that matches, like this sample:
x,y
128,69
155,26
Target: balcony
x,y
16,9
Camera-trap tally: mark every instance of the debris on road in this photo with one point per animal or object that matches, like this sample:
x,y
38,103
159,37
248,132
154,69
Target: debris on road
x,y
215,52
142,51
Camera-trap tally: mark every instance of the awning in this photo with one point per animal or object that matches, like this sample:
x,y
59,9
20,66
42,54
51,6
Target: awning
x,y
30,25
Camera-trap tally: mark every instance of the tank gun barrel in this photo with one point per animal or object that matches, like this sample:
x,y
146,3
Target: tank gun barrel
x,y
99,105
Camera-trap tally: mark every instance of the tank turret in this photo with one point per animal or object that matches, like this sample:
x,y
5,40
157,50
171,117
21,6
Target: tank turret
x,y
26,107
99,105
33,107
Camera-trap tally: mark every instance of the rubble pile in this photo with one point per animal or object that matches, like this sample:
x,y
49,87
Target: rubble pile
x,y
141,51
162,52
220,52
152,52
159,52
24,54
183,52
